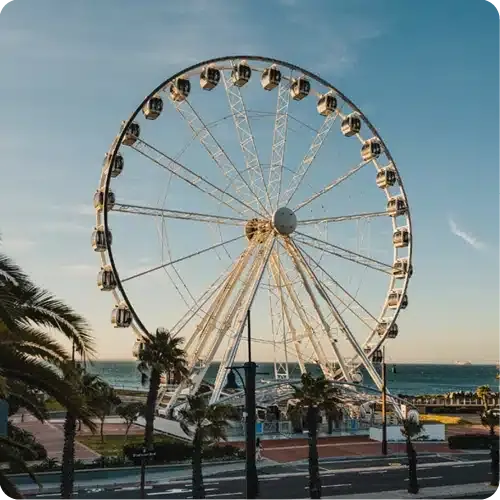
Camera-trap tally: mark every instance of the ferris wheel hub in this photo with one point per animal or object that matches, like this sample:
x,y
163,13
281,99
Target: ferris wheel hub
x,y
284,221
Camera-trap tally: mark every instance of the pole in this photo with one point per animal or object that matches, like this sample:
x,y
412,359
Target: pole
x,y
384,403
252,480
143,476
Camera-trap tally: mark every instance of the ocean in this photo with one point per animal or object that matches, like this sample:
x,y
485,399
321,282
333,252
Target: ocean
x,y
408,379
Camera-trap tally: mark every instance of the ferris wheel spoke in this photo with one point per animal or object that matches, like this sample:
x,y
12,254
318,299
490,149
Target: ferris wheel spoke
x,y
329,187
175,261
177,214
336,283
215,150
279,142
246,139
341,218
308,159
300,260
189,176
343,253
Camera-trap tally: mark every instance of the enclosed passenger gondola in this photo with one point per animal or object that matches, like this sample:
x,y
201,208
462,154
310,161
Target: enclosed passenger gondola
x,y
209,78
351,125
121,316
401,237
153,108
132,134
377,356
138,348
327,104
180,89
401,268
241,73
118,163
395,298
99,200
99,240
271,78
386,177
392,333
300,88
106,279
396,206
371,149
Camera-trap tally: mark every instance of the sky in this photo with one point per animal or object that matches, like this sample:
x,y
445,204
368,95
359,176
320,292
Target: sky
x,y
426,74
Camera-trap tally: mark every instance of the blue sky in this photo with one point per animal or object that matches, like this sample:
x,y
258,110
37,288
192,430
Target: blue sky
x,y
426,76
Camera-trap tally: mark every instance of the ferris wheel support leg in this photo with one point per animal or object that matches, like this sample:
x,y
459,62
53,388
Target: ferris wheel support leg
x,y
278,282
250,291
318,349
340,321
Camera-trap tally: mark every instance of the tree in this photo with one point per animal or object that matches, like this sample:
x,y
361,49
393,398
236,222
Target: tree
x,y
105,402
490,420
410,429
89,386
314,395
161,353
130,412
205,424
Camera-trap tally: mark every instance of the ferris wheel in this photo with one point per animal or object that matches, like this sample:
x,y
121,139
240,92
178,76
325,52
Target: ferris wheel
x,y
243,183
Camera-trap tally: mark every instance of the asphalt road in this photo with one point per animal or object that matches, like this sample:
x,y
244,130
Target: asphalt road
x,y
290,481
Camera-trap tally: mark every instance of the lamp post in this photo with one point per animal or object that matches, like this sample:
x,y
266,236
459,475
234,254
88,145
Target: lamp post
x,y
143,455
252,480
384,404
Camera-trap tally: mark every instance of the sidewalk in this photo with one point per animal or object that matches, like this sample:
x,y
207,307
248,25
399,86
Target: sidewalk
x,y
452,491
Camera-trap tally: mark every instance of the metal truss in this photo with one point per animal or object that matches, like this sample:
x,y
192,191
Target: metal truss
x,y
217,154
279,143
245,136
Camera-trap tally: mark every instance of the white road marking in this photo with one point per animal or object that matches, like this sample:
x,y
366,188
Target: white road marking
x,y
331,485
225,494
374,472
132,488
464,465
425,477
49,495
172,491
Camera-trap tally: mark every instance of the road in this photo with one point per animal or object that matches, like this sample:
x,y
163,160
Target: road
x,y
339,477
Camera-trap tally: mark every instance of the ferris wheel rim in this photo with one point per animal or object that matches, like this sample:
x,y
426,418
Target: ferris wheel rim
x,y
137,322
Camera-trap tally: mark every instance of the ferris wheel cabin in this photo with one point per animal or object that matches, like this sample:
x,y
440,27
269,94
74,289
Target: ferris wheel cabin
x,y
300,88
138,348
351,125
371,149
327,104
377,356
106,279
209,78
241,73
396,206
392,333
271,78
153,108
99,240
121,316
401,268
386,177
99,200
116,168
401,237
180,89
132,134
395,298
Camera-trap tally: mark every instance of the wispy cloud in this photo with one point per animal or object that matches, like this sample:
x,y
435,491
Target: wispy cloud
x,y
80,269
467,237
18,244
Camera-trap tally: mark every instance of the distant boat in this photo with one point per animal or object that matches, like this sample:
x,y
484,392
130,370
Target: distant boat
x,y
394,369
463,363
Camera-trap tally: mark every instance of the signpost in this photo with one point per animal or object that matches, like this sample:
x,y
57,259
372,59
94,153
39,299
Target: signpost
x,y
143,456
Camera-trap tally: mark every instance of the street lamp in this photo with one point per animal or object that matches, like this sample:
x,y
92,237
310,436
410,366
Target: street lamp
x,y
384,404
252,480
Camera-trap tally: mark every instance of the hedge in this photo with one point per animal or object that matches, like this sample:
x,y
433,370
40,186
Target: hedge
x,y
469,442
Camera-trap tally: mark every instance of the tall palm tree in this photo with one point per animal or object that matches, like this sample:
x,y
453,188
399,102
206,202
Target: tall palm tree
x,y
410,429
490,420
205,424
90,387
314,395
161,353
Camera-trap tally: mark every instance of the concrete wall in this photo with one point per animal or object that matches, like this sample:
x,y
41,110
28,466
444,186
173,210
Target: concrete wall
x,y
434,432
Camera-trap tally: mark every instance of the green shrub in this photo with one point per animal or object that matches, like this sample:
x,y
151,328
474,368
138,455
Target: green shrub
x,y
36,450
469,442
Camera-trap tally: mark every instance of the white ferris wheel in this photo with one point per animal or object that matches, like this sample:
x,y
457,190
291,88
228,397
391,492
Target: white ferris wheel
x,y
247,182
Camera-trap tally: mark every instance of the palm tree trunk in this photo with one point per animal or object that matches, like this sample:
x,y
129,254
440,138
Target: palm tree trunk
x,y
197,485
68,458
101,430
412,468
314,479
149,414
494,457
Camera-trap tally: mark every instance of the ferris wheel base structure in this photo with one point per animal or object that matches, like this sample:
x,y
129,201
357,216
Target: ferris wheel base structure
x,y
274,209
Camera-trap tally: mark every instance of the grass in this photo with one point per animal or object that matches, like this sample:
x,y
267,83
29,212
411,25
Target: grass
x,y
444,419
113,445
53,405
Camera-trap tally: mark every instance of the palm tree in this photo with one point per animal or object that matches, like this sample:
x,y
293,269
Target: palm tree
x,y
130,412
161,353
314,395
490,420
89,386
105,401
204,423
410,429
